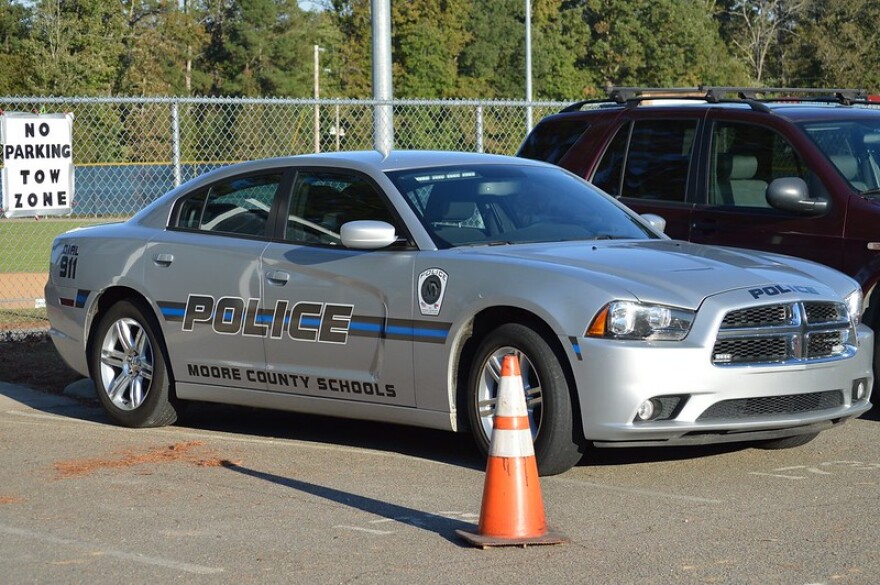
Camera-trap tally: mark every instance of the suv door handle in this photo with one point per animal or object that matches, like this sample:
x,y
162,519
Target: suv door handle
x,y
163,259
277,277
705,225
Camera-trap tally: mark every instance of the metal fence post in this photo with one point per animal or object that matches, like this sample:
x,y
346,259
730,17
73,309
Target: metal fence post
x,y
479,128
175,141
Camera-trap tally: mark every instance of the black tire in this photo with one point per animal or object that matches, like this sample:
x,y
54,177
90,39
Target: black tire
x,y
787,442
557,448
128,365
871,318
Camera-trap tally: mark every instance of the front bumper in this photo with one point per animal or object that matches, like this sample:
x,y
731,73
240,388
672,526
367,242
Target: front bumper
x,y
615,377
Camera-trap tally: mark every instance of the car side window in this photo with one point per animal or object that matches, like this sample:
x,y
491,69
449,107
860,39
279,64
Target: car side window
x,y
610,170
238,206
656,162
322,202
745,159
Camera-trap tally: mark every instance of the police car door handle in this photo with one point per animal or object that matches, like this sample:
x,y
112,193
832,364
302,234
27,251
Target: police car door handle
x,y
277,277
163,259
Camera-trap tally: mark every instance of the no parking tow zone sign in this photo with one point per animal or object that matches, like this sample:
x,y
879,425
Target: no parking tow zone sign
x,y
37,163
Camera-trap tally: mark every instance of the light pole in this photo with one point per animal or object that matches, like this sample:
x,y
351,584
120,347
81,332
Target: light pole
x,y
383,114
317,95
528,66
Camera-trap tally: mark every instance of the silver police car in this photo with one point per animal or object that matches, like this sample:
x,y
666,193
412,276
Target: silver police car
x,y
389,288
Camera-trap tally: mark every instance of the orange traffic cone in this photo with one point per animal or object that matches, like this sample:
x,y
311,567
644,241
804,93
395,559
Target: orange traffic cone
x,y
512,513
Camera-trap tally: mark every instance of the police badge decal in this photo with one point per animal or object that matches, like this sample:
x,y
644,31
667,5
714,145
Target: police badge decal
x,y
432,287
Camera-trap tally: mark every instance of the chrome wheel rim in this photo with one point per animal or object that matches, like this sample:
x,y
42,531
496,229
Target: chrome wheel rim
x,y
126,364
487,389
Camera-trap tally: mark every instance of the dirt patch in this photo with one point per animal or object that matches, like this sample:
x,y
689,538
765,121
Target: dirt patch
x,y
23,325
176,453
36,364
9,500
20,290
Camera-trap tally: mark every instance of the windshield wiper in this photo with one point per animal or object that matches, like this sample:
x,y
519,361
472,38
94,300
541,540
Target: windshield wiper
x,y
871,193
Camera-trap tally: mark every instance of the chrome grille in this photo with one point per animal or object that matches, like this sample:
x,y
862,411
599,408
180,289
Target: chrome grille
x,y
761,349
822,344
784,333
773,405
757,317
824,312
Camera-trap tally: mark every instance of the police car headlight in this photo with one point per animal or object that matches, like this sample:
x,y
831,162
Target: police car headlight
x,y
854,305
632,320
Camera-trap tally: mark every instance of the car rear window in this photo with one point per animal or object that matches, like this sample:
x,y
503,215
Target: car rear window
x,y
549,141
239,206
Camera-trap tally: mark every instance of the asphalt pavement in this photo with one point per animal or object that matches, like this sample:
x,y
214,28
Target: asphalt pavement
x,y
239,495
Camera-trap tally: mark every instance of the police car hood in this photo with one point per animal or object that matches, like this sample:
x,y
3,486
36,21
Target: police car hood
x,y
675,272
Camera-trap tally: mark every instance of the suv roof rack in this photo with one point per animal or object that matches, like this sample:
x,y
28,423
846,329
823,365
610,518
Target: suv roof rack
x,y
632,96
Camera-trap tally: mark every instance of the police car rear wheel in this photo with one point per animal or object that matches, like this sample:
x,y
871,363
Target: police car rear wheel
x,y
548,400
129,370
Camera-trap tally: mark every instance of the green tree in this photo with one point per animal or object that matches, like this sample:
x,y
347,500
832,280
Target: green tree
x,y
559,34
759,30
428,36
162,41
837,46
258,47
75,46
657,43
353,53
492,62
13,33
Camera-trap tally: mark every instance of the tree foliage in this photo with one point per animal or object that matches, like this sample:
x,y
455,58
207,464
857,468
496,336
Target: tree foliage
x,y
836,45
440,48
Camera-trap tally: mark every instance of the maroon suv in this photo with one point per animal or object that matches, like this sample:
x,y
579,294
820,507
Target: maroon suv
x,y
797,176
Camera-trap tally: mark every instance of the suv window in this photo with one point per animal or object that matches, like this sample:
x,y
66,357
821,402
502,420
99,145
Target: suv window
x,y
745,158
550,141
655,164
853,147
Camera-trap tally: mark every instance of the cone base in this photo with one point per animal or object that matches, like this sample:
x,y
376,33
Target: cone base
x,y
483,541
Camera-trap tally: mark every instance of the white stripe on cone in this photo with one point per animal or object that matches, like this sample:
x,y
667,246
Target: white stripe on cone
x,y
511,444
511,403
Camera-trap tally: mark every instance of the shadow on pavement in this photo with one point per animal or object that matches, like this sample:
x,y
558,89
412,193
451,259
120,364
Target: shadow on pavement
x,y
54,403
434,445
452,448
440,525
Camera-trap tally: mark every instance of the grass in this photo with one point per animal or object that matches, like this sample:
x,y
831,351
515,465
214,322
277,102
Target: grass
x,y
25,244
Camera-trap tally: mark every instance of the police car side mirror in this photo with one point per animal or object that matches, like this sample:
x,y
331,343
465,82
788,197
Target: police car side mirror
x,y
655,221
367,234
792,194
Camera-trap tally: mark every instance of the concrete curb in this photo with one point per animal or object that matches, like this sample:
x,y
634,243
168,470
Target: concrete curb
x,y
83,389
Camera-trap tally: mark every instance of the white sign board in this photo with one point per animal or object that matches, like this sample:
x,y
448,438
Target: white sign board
x,y
37,163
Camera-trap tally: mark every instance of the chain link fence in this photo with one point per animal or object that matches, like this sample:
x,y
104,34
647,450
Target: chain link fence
x,y
129,151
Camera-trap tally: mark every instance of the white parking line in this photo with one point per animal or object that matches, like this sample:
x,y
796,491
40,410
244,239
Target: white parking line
x,y
98,550
367,530
639,492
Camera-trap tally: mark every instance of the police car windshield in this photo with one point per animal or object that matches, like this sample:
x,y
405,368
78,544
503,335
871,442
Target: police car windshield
x,y
514,204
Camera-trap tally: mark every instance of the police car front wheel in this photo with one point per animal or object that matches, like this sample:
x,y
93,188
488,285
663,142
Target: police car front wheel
x,y
548,399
